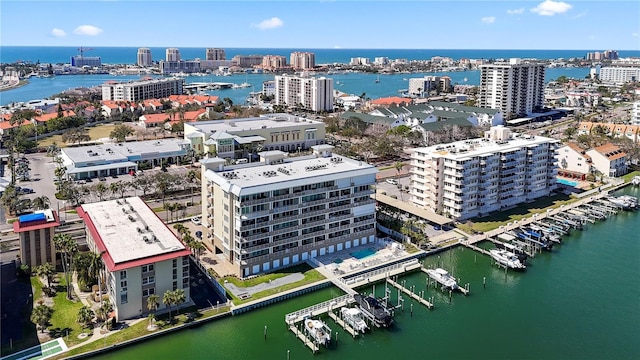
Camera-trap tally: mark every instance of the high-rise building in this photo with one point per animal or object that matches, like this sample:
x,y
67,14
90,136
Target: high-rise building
x,y
144,57
274,62
619,75
91,61
143,89
303,60
315,94
172,54
282,211
516,87
141,255
247,60
472,178
215,54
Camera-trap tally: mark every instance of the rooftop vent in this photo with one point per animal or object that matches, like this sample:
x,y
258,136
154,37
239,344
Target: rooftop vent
x,y
269,173
284,171
315,167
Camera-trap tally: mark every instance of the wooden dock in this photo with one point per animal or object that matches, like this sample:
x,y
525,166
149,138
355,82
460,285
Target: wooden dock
x,y
300,335
411,295
473,247
344,325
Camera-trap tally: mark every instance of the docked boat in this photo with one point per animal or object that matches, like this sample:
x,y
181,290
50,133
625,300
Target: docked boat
x,y
515,249
374,310
625,201
443,277
507,259
354,318
318,331
636,181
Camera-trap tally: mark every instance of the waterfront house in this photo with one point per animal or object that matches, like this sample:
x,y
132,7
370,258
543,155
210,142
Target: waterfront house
x,y
609,159
574,162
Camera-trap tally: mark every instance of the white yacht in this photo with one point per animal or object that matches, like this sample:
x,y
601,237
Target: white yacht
x,y
443,277
354,318
507,258
318,331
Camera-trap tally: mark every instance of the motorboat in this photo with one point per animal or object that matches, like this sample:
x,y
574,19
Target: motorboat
x,y
636,181
515,249
373,309
625,201
318,331
507,259
354,318
443,277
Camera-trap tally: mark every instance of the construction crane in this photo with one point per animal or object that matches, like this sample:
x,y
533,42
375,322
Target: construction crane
x,y
82,50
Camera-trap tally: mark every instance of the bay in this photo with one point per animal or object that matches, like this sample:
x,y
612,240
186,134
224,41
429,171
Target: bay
x,y
579,302
350,83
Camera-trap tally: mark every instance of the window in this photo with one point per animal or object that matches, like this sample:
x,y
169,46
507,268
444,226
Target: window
x,y
147,268
185,283
148,280
123,284
123,274
124,298
147,292
175,285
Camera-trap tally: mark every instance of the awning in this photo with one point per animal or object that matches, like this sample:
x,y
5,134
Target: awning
x,y
102,167
249,139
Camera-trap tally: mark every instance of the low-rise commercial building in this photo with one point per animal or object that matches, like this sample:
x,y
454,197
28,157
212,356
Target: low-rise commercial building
x,y
36,233
141,256
238,138
282,211
472,178
121,158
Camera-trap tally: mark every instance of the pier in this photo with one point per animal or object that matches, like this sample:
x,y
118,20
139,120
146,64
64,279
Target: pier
x,y
344,325
410,293
464,290
307,342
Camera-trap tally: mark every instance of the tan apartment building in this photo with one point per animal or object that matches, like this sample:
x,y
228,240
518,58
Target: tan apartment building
x,y
36,232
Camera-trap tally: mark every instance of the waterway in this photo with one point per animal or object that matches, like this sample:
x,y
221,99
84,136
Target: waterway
x,y
582,301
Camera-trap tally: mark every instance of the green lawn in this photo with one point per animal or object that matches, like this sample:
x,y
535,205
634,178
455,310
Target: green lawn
x,y
64,312
497,219
95,132
310,276
627,178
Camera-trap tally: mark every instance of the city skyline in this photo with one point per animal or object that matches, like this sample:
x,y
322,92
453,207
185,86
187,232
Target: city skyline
x,y
545,24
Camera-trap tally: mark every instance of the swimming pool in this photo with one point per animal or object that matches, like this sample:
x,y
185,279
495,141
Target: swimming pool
x,y
567,182
361,254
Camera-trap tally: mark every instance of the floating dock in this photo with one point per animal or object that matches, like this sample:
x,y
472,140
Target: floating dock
x,y
307,342
344,325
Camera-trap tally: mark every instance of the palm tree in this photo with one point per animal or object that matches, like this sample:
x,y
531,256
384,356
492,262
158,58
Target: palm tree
x,y
398,166
40,203
45,270
181,229
85,315
152,304
199,248
168,300
179,298
103,311
100,190
114,188
41,315
191,177
66,246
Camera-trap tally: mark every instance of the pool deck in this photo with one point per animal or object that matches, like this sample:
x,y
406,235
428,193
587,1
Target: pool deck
x,y
385,251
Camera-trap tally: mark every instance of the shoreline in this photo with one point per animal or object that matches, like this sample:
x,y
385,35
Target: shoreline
x,y
12,86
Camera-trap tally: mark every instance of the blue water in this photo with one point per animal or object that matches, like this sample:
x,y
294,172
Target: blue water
x,y
361,254
352,83
127,55
567,182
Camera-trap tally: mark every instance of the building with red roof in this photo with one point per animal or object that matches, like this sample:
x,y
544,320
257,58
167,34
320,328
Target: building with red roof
x,y
141,255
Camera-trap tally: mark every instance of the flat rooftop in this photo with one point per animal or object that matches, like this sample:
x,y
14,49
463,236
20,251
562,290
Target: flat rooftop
x,y
291,170
128,230
121,152
269,121
460,150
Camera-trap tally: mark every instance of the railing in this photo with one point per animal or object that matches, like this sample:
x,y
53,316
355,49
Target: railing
x,y
321,306
354,279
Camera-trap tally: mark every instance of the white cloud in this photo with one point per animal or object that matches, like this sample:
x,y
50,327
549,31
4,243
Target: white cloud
x,y
269,24
88,30
340,47
550,8
515,11
488,19
582,14
58,32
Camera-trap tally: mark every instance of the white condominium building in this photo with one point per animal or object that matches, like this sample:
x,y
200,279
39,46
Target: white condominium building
x,y
472,178
302,60
635,114
172,54
420,86
144,57
141,255
215,54
619,75
143,89
279,211
516,88
315,94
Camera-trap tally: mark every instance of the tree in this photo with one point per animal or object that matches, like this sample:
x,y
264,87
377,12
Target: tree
x,y
398,166
192,176
100,189
46,271
41,315
85,315
181,229
40,202
120,132
143,183
168,300
103,311
76,135
164,183
10,198
152,304
179,298
67,247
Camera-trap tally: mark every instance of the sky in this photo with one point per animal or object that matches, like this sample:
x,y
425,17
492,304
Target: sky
x,y
348,24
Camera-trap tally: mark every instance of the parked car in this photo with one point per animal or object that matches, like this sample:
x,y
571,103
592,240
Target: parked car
x,y
392,181
196,220
102,178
